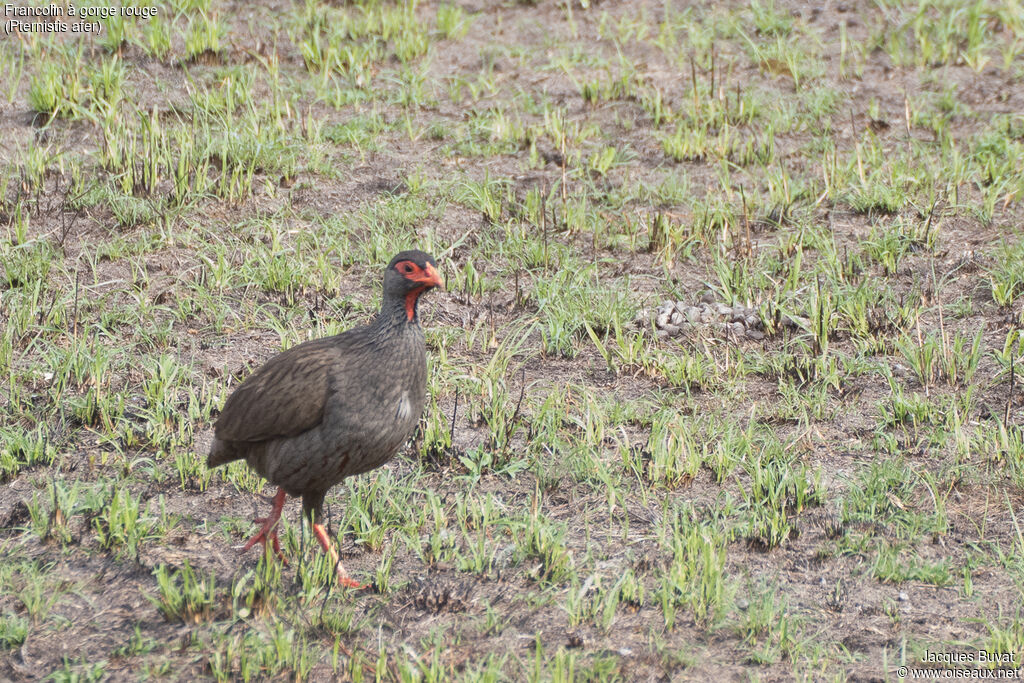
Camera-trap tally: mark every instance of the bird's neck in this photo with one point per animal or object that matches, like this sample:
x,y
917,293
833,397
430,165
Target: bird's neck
x,y
400,311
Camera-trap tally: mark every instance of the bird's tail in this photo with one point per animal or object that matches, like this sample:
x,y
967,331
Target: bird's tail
x,y
222,452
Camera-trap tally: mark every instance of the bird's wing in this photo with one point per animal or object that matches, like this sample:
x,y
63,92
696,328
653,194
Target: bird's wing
x,y
283,398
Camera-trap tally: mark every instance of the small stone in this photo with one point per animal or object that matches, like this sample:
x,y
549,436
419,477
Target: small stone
x,y
676,318
900,370
742,604
736,329
707,298
672,330
692,314
707,315
756,335
722,309
681,307
903,597
667,306
625,651
738,316
661,334
752,321
662,319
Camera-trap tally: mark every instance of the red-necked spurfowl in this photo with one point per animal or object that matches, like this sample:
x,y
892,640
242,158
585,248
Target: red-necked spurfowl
x,y
331,408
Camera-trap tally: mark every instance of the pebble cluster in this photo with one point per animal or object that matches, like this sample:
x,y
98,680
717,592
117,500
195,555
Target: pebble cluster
x,y
675,318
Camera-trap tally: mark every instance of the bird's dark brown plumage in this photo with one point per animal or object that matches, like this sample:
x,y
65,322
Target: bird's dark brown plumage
x,y
334,407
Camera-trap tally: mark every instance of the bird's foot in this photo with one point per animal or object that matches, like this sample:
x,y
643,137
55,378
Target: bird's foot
x,y
344,579
269,529
261,537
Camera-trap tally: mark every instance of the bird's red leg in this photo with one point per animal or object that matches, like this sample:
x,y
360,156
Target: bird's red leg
x,y
343,578
269,529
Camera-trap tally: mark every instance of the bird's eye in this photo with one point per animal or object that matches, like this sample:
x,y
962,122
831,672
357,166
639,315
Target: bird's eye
x,y
405,267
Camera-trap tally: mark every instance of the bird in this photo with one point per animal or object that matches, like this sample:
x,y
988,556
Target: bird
x,y
334,407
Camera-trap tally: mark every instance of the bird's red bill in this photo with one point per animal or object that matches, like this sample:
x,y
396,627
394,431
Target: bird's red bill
x,y
429,277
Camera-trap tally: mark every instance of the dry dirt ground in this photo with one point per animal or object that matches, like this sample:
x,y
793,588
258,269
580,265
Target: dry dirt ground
x,y
829,497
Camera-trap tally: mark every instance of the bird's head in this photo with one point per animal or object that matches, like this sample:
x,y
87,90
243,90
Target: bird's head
x,y
409,274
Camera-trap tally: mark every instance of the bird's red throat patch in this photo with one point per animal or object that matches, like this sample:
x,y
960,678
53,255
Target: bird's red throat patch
x,y
410,302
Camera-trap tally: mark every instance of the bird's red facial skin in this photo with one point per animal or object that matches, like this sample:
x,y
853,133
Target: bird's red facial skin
x,y
428,275
408,269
